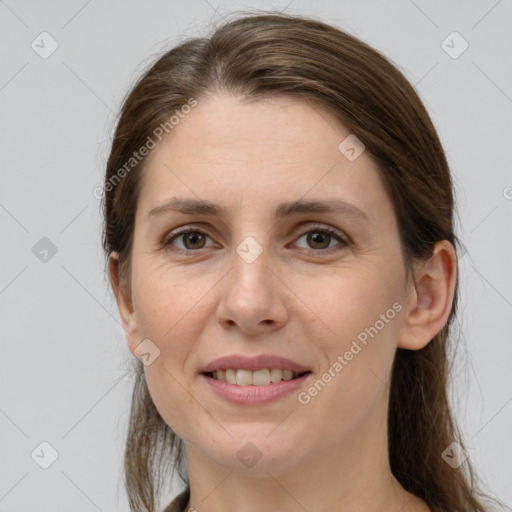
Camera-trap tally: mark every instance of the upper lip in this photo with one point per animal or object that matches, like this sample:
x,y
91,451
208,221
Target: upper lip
x,y
242,362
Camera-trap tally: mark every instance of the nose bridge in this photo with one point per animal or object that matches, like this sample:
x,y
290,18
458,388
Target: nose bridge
x,y
251,275
250,297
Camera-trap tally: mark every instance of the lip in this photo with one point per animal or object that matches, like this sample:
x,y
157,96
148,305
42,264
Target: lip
x,y
254,395
242,362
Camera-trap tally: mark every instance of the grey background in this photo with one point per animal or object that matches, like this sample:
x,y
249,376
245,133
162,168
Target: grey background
x,y
63,376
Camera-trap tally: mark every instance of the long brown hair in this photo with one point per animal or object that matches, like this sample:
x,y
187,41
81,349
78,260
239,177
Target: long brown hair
x,y
268,54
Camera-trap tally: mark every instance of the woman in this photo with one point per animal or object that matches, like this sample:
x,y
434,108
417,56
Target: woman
x,y
278,221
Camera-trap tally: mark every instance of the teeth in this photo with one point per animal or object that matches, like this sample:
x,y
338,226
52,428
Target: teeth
x,y
276,374
287,375
243,377
231,376
261,377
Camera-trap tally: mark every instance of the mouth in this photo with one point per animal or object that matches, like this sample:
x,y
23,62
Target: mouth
x,y
260,377
257,387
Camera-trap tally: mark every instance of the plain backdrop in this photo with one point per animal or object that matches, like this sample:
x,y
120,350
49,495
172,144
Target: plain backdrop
x,y
64,368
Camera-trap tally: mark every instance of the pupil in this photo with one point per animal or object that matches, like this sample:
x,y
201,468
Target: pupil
x,y
316,238
193,238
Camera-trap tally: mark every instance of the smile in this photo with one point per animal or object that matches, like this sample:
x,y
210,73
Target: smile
x,y
262,377
251,394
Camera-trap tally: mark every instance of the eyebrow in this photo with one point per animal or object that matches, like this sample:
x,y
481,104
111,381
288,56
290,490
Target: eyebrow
x,y
190,206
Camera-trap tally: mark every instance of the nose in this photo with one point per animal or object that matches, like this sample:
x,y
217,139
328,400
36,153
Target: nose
x,y
252,297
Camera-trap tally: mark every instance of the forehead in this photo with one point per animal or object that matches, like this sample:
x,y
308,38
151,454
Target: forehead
x,y
271,149
260,130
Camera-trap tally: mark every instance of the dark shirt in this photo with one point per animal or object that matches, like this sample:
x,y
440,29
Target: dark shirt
x,y
179,503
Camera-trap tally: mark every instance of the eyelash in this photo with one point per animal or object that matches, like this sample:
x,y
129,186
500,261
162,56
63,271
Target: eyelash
x,y
167,242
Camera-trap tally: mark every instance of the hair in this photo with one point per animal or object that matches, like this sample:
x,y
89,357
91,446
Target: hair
x,y
271,54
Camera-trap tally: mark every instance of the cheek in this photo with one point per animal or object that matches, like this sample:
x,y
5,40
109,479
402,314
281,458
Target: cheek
x,y
168,303
353,384
171,310
355,332
346,303
171,398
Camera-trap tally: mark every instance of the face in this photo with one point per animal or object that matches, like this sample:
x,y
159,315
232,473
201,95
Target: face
x,y
323,288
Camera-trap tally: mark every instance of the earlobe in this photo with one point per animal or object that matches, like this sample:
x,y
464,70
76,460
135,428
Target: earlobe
x,y
124,303
431,300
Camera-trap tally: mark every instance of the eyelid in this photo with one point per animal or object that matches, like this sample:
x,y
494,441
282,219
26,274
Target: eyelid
x,y
189,228
304,228
344,240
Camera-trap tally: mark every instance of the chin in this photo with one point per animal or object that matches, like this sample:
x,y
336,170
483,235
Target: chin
x,y
256,453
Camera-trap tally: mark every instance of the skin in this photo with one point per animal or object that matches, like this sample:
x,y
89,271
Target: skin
x,y
293,301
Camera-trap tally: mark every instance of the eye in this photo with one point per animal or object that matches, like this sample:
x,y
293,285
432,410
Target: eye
x,y
193,239
319,239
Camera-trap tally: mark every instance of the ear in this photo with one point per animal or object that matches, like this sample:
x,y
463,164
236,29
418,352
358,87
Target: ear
x,y
124,303
430,302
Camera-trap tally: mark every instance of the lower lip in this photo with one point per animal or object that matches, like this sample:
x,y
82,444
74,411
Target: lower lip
x,y
252,395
